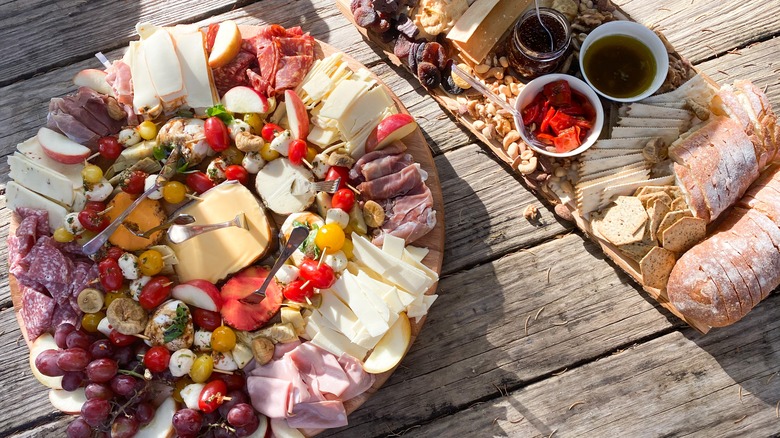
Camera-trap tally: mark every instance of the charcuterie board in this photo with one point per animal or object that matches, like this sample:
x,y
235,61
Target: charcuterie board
x,y
432,241
479,38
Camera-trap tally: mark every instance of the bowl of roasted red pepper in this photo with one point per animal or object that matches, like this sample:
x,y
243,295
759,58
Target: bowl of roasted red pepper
x,y
559,115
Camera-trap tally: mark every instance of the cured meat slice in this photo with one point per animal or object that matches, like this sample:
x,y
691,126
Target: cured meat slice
x,y
268,60
397,184
269,396
48,266
395,147
318,415
290,72
409,217
384,166
320,369
119,77
36,311
257,82
64,313
233,74
359,380
303,46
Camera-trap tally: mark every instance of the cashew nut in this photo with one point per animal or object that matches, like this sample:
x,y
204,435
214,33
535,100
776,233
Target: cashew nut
x,y
527,154
511,137
246,142
527,167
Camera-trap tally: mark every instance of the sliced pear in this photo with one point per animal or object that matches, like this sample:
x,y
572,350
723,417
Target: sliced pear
x,y
391,348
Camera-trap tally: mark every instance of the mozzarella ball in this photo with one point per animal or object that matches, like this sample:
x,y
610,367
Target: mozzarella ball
x,y
253,162
100,191
148,183
181,363
72,223
337,215
236,126
136,286
129,137
337,261
128,263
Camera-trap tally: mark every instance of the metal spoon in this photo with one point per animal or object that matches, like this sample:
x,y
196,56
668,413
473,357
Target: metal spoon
x,y
297,236
180,233
180,219
549,34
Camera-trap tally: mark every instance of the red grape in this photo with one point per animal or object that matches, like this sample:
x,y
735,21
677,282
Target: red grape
x,y
241,415
79,428
233,381
95,411
73,359
206,319
46,362
124,385
61,334
144,413
248,429
124,427
72,380
78,339
109,147
157,290
101,370
187,422
123,355
156,359
98,390
121,340
101,348
237,396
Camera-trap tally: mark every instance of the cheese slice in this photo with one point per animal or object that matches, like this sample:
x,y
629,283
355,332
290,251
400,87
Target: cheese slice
x,y
322,137
416,252
349,292
32,150
366,340
419,265
588,167
17,196
316,87
214,255
164,67
340,316
420,307
468,23
404,275
41,179
190,49
145,100
386,292
394,246
367,109
334,342
342,97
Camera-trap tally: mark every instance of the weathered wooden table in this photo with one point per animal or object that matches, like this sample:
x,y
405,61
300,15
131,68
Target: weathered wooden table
x,y
535,333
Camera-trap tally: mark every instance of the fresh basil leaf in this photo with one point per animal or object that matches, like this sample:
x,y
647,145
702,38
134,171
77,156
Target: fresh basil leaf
x,y
178,326
220,111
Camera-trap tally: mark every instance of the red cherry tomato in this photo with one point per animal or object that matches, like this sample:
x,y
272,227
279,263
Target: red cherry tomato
x,y
121,340
156,359
114,252
206,319
343,199
92,220
157,290
217,134
198,182
211,35
236,172
269,131
95,205
109,147
212,396
297,151
110,275
336,172
298,290
321,277
134,183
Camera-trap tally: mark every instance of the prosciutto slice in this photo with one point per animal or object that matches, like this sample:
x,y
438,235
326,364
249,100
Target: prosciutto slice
x,y
119,77
83,116
393,185
409,217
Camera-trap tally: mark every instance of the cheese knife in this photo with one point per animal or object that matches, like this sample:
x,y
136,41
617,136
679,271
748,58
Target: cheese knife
x,y
297,236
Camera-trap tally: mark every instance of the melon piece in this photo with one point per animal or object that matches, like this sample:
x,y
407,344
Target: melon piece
x,y
146,216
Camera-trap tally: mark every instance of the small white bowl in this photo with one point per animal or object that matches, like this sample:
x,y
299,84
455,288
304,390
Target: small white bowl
x,y
535,87
645,36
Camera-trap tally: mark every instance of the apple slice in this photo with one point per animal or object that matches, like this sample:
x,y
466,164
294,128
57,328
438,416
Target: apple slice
x,y
227,44
297,116
60,148
199,293
68,402
391,348
280,429
94,79
245,100
42,343
262,427
161,425
391,128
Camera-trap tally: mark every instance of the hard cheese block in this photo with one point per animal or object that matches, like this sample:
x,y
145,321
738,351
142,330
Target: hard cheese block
x,y
214,255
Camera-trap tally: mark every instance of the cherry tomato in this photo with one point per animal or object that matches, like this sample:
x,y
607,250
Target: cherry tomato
x,y
157,290
157,358
114,252
212,396
93,220
321,276
211,35
298,290
174,192
236,172
269,131
330,236
109,147
217,134
150,262
206,319
121,340
199,182
336,172
223,339
343,199
95,205
110,275
134,183
297,151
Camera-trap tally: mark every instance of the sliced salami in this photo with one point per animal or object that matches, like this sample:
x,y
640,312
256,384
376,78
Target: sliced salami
x,y
257,82
297,46
65,313
292,70
48,266
37,309
232,74
41,217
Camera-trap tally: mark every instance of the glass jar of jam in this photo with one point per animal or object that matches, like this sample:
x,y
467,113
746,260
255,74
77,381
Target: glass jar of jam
x,y
530,51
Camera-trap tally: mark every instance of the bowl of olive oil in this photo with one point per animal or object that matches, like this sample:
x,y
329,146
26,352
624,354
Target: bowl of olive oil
x,y
624,61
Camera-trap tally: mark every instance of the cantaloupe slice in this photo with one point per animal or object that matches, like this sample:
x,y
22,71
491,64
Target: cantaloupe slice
x,y
146,216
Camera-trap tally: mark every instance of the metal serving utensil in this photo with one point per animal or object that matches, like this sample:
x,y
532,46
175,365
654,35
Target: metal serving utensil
x,y
300,188
297,236
180,219
181,233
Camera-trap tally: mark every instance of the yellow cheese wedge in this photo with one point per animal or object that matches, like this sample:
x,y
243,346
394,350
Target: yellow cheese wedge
x,y
215,255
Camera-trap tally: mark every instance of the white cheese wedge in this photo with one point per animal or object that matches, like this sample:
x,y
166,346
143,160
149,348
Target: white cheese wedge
x,y
338,314
367,109
190,49
366,340
342,97
145,100
41,179
376,300
333,341
420,307
347,289
214,255
32,150
419,265
316,87
402,274
386,292
394,246
322,137
18,196
417,253
164,67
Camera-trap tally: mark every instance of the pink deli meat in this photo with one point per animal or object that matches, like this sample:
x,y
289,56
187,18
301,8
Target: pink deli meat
x,y
284,57
233,74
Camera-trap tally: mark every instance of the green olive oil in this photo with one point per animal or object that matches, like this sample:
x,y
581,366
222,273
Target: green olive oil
x,y
619,66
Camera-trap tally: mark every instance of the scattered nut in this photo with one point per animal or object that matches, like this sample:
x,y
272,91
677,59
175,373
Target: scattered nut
x,y
532,214
503,61
496,72
511,137
481,69
479,125
513,151
560,172
114,110
527,154
527,167
563,212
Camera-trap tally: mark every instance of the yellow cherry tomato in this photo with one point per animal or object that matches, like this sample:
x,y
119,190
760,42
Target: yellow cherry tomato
x,y
202,368
90,321
181,382
174,192
92,174
147,130
62,235
111,296
267,153
347,248
150,262
310,154
254,121
223,339
330,236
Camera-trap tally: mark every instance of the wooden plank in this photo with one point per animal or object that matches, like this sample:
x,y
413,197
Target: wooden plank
x,y
700,30
680,384
474,337
47,33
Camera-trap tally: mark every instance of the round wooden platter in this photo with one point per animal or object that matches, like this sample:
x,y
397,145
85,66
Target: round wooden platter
x,y
434,240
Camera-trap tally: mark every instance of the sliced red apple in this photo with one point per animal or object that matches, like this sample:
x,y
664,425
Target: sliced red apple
x,y
60,148
161,425
248,317
227,44
245,100
199,293
42,343
68,402
297,116
94,79
391,128
391,348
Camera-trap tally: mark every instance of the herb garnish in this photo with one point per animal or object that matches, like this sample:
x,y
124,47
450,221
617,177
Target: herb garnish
x,y
221,112
176,329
